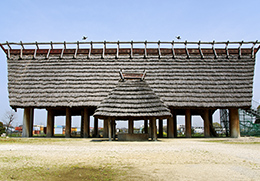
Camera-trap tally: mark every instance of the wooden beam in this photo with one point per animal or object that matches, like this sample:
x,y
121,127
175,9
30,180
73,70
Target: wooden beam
x,y
86,123
110,129
172,125
28,122
150,131
206,123
160,128
114,129
146,126
153,120
130,126
96,134
82,124
68,123
234,123
174,116
105,128
188,123
50,123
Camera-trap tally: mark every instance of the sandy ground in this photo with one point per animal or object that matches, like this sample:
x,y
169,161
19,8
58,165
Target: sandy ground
x,y
166,159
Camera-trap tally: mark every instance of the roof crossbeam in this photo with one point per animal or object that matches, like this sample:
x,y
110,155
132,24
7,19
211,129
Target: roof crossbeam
x,y
201,53
76,51
21,52
159,51
173,51
64,48
253,48
145,49
227,49
117,49
214,50
186,49
239,49
35,51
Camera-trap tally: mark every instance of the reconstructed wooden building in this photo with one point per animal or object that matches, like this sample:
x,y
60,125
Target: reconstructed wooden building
x,y
182,78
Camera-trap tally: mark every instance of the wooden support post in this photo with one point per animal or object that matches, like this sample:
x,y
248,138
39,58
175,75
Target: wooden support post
x,y
96,128
211,123
169,123
28,122
86,123
50,124
146,126
154,129
110,129
82,124
172,125
160,128
206,123
150,129
68,123
174,116
130,126
234,123
188,123
31,122
105,128
114,129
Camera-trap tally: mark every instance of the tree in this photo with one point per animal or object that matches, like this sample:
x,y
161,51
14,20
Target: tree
x,y
2,128
217,125
8,119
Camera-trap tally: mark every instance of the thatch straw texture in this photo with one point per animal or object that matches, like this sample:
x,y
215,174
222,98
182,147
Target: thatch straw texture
x,y
179,82
132,98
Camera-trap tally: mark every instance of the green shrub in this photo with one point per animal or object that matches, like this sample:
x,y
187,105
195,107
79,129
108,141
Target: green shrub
x,y
2,128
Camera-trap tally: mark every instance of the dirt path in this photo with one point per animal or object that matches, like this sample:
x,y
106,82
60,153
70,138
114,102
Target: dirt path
x,y
167,159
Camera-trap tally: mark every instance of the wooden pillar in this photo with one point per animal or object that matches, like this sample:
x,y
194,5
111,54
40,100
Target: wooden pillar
x,y
50,124
96,128
160,128
31,122
130,126
188,123
172,125
105,128
82,124
114,129
145,126
86,123
68,123
28,122
210,117
206,123
154,129
234,123
150,129
174,116
110,130
170,132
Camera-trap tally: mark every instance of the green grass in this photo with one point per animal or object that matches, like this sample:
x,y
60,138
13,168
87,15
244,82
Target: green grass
x,y
65,173
231,142
34,140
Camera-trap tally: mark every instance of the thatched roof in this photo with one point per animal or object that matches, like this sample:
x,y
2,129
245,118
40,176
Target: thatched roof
x,y
180,82
132,98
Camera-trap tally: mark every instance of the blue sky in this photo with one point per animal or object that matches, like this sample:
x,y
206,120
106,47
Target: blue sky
x,y
153,20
